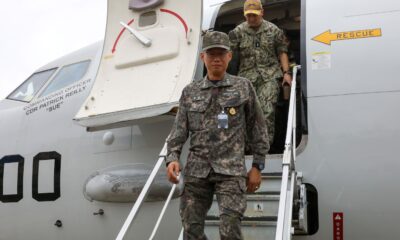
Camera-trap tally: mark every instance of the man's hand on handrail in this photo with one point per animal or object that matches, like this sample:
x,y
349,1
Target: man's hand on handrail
x,y
173,170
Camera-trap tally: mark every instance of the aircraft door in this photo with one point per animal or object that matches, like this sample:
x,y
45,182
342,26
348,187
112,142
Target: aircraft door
x,y
150,54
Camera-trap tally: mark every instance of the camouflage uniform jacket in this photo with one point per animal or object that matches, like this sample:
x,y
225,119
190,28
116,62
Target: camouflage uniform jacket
x,y
212,147
258,51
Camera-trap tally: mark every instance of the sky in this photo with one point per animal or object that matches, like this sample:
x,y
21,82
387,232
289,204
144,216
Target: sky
x,y
34,33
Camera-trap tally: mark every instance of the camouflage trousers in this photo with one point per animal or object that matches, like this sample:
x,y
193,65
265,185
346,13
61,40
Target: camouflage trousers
x,y
197,198
267,93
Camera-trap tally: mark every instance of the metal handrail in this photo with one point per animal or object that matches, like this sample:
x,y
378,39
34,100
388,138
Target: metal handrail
x,y
181,235
171,193
142,195
283,231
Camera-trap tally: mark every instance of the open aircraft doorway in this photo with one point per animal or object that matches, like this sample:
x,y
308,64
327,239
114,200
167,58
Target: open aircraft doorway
x,y
287,16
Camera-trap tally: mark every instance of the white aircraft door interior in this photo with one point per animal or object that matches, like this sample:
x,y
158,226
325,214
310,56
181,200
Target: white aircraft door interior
x,y
150,54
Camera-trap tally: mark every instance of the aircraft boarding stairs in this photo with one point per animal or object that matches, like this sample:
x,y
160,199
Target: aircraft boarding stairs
x,y
260,218
276,211
155,45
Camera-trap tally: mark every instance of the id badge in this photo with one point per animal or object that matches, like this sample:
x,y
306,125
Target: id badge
x,y
223,120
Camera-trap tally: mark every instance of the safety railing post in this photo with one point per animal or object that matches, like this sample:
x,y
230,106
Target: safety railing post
x,y
171,193
142,195
284,221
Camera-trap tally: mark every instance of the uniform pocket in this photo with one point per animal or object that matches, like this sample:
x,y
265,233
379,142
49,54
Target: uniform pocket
x,y
196,115
245,43
246,47
234,108
267,42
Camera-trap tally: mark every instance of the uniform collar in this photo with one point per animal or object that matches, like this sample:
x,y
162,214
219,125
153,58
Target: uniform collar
x,y
262,28
225,82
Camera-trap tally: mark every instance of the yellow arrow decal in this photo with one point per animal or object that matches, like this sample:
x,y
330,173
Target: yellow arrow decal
x,y
327,37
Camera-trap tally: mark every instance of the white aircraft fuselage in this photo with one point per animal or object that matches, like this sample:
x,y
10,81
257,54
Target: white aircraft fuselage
x,y
67,172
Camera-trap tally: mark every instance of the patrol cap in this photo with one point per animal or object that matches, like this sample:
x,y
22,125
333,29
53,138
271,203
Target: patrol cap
x,y
252,6
214,39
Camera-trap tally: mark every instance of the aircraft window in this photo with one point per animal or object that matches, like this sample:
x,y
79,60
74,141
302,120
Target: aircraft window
x,y
31,86
147,19
66,76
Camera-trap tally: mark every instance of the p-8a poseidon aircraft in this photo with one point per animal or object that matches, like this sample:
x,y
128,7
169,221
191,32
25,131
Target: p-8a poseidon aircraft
x,y
83,138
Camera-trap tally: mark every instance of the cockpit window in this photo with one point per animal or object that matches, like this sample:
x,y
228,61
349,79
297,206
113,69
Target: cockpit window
x,y
31,86
66,76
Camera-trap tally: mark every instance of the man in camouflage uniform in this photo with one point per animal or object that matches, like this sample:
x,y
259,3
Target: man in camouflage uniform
x,y
217,113
262,50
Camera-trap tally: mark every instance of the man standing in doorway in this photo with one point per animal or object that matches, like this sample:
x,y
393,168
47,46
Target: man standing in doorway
x,y
217,113
262,51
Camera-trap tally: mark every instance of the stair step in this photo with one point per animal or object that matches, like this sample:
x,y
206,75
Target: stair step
x,y
271,182
258,205
264,202
256,228
246,221
259,221
273,163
